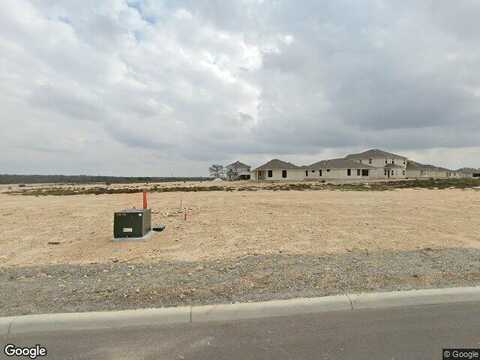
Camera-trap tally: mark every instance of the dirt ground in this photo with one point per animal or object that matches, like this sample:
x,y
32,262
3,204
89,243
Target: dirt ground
x,y
227,225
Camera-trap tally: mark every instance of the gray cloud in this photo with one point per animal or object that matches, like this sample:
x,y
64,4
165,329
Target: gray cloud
x,y
184,83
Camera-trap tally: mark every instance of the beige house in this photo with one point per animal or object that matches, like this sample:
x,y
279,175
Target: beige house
x,y
340,169
372,164
278,170
392,166
237,171
454,174
416,170
468,173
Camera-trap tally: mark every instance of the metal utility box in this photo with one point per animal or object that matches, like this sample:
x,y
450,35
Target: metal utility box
x,y
132,223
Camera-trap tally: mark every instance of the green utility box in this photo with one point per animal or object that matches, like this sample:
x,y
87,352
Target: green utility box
x,y
132,223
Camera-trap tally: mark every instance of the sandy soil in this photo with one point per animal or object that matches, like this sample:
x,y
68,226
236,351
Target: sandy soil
x,y
227,225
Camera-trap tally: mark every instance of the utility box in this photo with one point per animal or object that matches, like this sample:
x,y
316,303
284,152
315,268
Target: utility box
x,y
132,223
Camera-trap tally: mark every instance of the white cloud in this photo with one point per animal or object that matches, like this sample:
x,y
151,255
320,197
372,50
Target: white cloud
x,y
94,87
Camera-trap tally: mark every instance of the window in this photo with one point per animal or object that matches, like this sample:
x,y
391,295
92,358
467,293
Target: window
x,y
349,172
270,173
393,161
364,172
393,172
369,161
328,170
386,161
358,172
403,162
320,172
313,171
403,172
306,173
284,174
385,172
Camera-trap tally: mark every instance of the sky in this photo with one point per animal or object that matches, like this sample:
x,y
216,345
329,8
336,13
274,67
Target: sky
x,y
166,88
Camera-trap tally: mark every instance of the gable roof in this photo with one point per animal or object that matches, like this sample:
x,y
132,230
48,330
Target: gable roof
x,y
277,164
374,154
340,164
413,165
238,164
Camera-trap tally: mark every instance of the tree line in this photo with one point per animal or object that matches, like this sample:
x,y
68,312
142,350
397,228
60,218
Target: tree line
x,y
88,179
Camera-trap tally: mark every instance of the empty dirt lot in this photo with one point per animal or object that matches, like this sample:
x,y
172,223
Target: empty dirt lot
x,y
226,225
234,246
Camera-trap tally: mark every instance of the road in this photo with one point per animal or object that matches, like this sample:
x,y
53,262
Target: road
x,y
418,332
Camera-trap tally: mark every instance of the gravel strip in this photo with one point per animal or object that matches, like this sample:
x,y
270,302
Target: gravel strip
x,y
115,286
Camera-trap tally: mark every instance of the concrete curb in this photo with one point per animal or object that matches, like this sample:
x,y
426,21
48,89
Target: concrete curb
x,y
414,297
196,314
270,308
5,326
95,320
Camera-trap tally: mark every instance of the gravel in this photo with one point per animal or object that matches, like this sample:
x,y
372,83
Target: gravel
x,y
115,286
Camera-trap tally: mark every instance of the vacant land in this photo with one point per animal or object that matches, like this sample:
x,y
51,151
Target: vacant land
x,y
57,254
220,225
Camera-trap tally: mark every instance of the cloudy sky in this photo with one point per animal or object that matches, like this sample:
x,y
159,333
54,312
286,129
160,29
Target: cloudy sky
x,y
160,88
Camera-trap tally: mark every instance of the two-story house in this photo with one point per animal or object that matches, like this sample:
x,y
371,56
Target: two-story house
x,y
393,165
237,171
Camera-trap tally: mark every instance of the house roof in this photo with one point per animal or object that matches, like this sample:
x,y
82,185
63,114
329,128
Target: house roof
x,y
374,154
413,165
277,164
238,164
340,164
442,168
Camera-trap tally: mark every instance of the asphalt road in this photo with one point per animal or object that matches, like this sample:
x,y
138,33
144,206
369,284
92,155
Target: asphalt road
x,y
396,333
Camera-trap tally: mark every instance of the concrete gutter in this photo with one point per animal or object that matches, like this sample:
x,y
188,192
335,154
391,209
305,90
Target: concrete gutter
x,y
196,314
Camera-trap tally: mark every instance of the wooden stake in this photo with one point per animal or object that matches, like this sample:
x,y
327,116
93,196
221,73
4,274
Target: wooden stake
x,y
145,203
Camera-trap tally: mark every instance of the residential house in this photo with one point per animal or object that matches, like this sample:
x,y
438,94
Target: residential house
x,y
417,170
453,174
469,172
278,170
340,169
390,165
237,171
372,164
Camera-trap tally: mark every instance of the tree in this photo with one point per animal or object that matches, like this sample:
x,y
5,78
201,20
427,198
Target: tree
x,y
216,171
